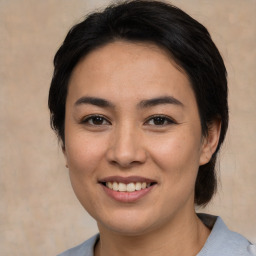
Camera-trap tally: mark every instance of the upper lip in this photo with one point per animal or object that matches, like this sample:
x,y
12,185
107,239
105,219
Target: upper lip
x,y
126,180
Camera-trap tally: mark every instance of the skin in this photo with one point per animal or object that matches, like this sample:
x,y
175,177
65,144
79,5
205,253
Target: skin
x,y
127,141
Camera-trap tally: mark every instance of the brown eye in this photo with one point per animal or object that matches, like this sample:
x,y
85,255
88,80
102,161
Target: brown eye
x,y
96,120
159,121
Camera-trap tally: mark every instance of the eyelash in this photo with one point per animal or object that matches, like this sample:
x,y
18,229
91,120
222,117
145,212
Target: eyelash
x,y
91,117
164,120
167,120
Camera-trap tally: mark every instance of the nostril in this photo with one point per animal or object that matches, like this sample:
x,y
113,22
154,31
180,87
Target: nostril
x,y
124,164
126,154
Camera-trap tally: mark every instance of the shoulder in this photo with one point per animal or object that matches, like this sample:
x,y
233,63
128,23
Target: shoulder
x,y
223,241
84,249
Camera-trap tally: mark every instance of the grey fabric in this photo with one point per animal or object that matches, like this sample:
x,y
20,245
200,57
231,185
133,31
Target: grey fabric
x,y
224,242
221,242
84,249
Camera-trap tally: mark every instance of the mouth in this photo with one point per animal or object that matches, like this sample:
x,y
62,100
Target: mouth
x,y
127,189
130,187
127,184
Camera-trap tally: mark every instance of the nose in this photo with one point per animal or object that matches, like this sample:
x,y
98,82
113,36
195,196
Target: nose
x,y
126,148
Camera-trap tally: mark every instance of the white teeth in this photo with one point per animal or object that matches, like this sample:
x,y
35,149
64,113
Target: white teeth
x,y
122,187
109,185
115,186
130,187
138,186
143,185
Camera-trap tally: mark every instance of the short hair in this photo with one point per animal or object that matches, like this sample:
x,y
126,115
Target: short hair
x,y
186,40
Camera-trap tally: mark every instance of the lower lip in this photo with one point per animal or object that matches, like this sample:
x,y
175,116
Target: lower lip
x,y
127,197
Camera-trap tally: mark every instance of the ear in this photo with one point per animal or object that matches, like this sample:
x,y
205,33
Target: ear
x,y
64,153
210,141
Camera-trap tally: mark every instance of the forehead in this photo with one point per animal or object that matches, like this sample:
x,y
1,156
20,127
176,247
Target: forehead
x,y
129,70
125,53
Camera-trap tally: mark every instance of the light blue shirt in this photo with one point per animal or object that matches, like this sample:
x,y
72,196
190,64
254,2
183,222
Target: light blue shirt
x,y
221,242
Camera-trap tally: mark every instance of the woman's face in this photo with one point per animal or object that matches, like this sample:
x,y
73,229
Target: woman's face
x,y
132,124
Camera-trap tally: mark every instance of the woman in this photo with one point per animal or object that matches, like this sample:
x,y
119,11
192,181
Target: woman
x,y
139,101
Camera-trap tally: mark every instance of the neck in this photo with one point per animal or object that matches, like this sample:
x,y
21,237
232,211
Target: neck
x,y
184,235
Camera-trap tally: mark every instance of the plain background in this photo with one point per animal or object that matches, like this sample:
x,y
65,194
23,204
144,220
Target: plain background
x,y
39,214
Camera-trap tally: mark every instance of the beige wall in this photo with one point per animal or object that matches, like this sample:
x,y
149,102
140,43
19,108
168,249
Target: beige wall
x,y
39,214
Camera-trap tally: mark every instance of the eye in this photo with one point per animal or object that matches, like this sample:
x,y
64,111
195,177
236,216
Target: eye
x,y
95,120
159,121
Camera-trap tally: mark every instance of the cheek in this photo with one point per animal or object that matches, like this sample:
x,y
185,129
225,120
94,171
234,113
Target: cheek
x,y
83,153
177,154
178,159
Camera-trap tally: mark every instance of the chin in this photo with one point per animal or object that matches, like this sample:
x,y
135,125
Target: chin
x,y
128,230
128,225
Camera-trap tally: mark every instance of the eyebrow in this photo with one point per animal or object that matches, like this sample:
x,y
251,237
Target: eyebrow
x,y
94,101
143,104
159,101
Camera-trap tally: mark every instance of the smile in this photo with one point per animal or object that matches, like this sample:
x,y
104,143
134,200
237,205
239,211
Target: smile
x,y
127,189
130,187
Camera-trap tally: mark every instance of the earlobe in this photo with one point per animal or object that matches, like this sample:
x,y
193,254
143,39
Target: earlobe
x,y
210,142
63,149
64,153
